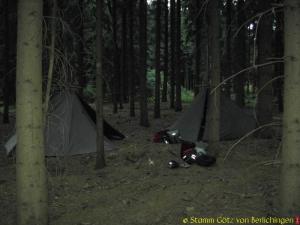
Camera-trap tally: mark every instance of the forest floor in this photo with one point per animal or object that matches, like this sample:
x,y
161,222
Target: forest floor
x,y
137,187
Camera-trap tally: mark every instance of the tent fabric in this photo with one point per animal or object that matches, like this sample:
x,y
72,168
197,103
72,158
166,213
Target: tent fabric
x,y
109,131
234,121
69,128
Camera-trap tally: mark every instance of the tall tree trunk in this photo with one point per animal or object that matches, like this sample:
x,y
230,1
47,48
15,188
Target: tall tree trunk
x,y
80,51
290,170
125,51
240,55
214,72
115,88
197,62
157,61
131,59
265,97
143,63
172,59
178,78
228,61
32,197
279,68
6,83
100,160
166,53
123,73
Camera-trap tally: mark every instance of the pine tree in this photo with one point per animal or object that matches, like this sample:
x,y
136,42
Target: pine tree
x,y
7,74
290,170
115,88
32,194
197,62
178,75
172,52
157,60
228,61
214,72
143,63
100,160
166,52
131,63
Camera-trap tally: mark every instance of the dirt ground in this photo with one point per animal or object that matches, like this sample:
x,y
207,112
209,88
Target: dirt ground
x,y
137,187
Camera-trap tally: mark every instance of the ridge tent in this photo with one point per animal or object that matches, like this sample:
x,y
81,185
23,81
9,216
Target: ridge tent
x,y
193,124
71,128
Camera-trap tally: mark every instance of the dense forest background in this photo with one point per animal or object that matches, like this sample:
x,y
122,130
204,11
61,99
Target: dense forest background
x,y
145,61
251,38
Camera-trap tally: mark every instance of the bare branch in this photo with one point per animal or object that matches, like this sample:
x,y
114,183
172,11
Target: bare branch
x,y
247,135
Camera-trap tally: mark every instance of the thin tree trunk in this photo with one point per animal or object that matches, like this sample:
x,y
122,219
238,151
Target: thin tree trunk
x,y
290,170
197,62
265,97
279,68
157,61
143,63
240,54
51,59
125,51
214,72
178,78
80,52
6,55
100,159
228,61
115,57
166,53
172,45
131,59
123,73
32,197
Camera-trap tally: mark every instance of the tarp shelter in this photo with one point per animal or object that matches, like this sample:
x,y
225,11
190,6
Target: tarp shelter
x,y
71,128
193,124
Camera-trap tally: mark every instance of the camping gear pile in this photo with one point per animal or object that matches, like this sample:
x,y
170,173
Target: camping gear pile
x,y
189,153
191,129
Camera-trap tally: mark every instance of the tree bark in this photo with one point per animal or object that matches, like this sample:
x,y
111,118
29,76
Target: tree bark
x,y
32,199
166,53
143,63
197,48
157,60
172,59
290,169
131,72
279,67
228,61
178,78
123,82
214,72
115,87
100,159
6,56
82,79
